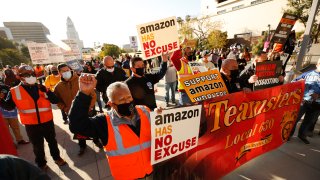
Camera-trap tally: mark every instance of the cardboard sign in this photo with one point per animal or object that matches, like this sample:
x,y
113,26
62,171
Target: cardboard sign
x,y
73,52
204,85
133,42
168,132
38,53
158,37
197,67
268,74
284,28
238,127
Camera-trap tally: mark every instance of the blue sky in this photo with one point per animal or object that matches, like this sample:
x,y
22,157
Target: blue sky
x,y
96,20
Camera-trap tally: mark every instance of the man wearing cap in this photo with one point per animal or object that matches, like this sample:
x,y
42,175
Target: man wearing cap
x,y
33,103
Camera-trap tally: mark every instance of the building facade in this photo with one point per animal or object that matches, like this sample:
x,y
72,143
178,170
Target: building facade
x,y
252,17
72,33
28,31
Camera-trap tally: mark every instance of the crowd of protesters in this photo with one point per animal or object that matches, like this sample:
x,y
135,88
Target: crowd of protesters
x,y
127,88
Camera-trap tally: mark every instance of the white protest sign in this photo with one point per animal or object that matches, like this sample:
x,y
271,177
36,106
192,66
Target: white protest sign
x,y
174,132
38,53
55,53
133,42
158,36
197,67
73,52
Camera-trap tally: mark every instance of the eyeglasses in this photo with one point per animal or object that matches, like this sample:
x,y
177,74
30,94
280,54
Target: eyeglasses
x,y
27,75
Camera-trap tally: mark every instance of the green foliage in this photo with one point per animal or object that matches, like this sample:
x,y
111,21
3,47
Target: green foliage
x,y
4,43
110,50
12,57
258,46
217,39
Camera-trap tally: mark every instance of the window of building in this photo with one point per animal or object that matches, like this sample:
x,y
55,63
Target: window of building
x,y
237,7
222,11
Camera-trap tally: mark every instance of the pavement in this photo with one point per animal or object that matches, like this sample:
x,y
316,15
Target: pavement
x,y
293,160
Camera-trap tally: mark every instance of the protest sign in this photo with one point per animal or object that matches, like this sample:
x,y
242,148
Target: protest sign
x,y
73,52
284,28
158,37
55,53
133,42
268,74
75,65
204,85
168,132
239,127
197,67
38,53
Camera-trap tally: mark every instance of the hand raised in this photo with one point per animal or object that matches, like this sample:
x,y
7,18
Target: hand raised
x,y
87,83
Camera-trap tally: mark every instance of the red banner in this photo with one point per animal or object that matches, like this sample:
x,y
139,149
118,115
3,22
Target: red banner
x,y
239,127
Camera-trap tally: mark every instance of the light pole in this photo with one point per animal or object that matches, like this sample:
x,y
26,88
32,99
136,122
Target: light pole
x,y
268,39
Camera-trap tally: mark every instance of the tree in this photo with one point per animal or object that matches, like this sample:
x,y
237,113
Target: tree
x,y
217,39
301,8
10,53
110,50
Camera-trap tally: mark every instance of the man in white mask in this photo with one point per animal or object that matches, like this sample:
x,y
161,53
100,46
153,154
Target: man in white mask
x,y
108,75
33,102
66,90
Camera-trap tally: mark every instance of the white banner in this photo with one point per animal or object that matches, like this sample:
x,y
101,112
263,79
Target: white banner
x,y
174,132
38,53
55,53
133,42
158,36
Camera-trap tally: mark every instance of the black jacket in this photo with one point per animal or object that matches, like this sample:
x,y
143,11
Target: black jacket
x,y
142,89
105,78
232,86
245,76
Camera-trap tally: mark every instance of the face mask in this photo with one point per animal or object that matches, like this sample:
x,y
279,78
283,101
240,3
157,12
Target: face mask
x,y
55,73
125,109
30,80
210,58
66,75
190,58
234,74
110,70
140,71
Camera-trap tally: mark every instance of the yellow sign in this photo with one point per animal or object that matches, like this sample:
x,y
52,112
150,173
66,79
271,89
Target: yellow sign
x,y
203,86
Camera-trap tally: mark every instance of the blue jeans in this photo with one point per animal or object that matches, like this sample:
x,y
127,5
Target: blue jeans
x,y
171,86
184,99
310,115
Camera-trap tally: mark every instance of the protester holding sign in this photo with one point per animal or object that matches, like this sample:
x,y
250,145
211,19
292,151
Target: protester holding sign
x,y
310,106
248,76
124,131
141,85
180,60
206,60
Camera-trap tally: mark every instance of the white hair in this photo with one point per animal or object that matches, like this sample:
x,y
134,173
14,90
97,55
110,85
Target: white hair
x,y
114,87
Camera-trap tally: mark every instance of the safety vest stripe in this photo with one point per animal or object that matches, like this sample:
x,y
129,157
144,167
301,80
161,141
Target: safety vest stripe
x,y
145,111
17,91
29,111
129,150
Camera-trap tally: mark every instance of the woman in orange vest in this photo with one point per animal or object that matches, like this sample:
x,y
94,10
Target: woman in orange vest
x,y
124,131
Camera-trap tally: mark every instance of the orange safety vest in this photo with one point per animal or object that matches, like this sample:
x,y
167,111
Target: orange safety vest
x,y
129,155
27,109
184,71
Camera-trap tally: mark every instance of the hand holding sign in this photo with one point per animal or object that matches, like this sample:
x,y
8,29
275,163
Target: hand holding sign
x,y
253,79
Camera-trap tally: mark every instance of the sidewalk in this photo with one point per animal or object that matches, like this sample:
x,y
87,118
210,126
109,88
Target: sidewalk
x,y
293,160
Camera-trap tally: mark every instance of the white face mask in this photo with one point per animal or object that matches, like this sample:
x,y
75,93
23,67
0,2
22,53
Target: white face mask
x,y
30,80
110,70
66,75
210,58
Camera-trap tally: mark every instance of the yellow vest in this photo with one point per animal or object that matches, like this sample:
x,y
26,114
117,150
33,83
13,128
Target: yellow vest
x,y
184,71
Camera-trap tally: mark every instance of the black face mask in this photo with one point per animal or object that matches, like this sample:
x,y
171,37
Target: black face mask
x,y
125,109
190,58
55,73
234,74
140,71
